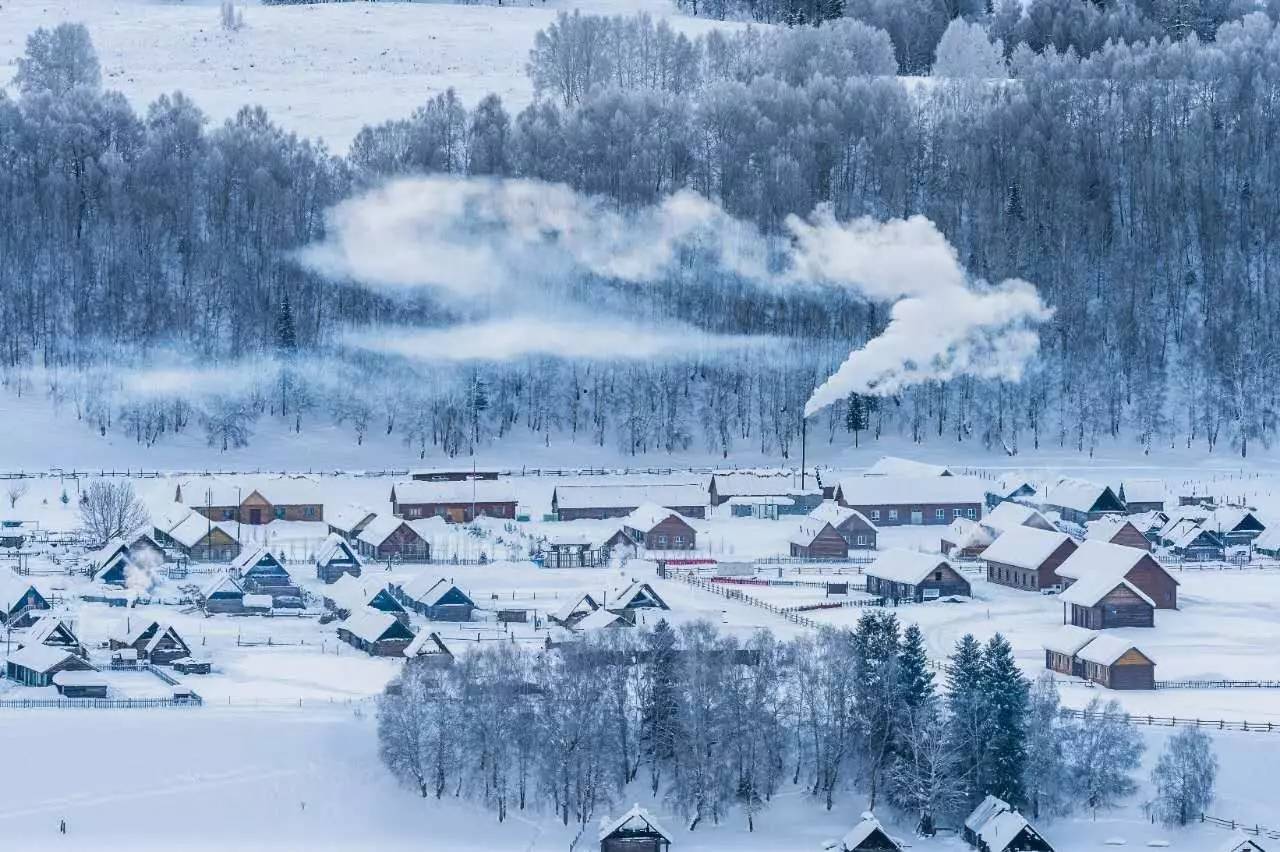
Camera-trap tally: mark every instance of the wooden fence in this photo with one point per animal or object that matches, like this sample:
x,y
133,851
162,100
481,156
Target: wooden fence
x,y
97,703
1254,830
1217,684
1180,722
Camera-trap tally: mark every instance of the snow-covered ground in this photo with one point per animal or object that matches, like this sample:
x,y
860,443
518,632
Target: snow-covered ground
x,y
320,70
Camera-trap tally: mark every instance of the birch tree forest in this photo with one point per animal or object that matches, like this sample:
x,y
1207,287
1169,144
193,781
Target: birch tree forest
x,y
1122,160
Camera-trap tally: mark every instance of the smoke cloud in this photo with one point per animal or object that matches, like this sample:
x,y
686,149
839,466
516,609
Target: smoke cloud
x,y
476,238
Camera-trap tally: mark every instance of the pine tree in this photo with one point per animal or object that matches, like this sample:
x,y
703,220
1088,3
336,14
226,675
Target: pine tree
x,y
286,331
915,680
876,687
967,706
856,417
1006,691
659,716
1045,780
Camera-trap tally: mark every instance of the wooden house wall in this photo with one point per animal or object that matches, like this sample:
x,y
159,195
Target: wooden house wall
x,y
951,583
901,514
1154,582
852,528
1129,536
455,513
664,535
404,544
1132,671
1120,608
828,544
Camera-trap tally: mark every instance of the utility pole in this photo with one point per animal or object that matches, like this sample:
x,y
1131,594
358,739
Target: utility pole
x,y
803,445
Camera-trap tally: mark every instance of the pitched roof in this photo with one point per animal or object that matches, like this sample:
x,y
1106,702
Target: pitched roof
x,y
427,642
347,517
39,657
986,809
194,527
43,628
964,533
905,566
336,545
380,529
1143,490
415,588
1100,558
455,492
222,583
1024,547
835,514
649,515
1001,830
631,496
622,598
896,466
888,490
368,624
640,816
1105,528
864,829
808,531
1189,534
250,556
760,485
276,490
174,514
1068,639
599,619
584,602
1089,590
1008,515
1080,495
1105,649
13,589
100,557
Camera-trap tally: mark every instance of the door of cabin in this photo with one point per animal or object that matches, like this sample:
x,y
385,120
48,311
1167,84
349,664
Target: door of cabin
x,y
255,516
917,518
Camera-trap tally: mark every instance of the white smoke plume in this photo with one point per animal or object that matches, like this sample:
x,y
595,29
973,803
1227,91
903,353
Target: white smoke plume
x,y
942,323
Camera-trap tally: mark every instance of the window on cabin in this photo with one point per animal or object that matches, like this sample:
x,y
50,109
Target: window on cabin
x,y
970,513
309,512
279,513
678,541
955,513
228,514
862,539
893,514
875,514
940,514
662,540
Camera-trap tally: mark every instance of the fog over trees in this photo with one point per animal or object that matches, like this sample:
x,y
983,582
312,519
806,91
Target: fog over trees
x,y
1131,180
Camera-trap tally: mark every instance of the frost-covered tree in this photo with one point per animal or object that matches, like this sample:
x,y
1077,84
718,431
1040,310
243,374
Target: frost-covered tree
x,y
57,61
965,51
110,510
1184,777
1045,777
1103,751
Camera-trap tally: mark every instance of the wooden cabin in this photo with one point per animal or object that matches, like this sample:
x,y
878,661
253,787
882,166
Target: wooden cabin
x,y
223,594
1061,647
1010,489
635,596
868,836
434,598
902,575
858,532
337,557
36,664
283,498
655,528
54,632
1103,601
1116,664
1194,543
77,683
994,826
573,549
575,502
1240,843
390,539
1027,558
378,634
574,610
21,603
350,520
601,619
455,502
965,539
1142,495
200,539
427,645
818,540
1079,501
349,594
263,573
156,643
912,500
1114,529
634,831
763,495
1139,567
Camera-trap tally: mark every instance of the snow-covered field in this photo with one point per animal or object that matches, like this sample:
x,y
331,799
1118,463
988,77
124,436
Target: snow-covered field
x,y
322,70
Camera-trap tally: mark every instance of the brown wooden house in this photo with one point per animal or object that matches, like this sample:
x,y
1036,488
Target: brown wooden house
x,y
38,665
634,831
814,540
1116,530
900,575
1103,601
1079,501
912,500
284,498
387,538
1094,558
575,502
154,642
1027,558
868,836
377,633
655,528
456,502
1116,664
1061,647
858,532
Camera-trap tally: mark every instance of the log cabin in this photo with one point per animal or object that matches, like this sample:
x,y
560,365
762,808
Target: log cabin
x,y
762,495
1114,529
337,557
21,603
1116,664
868,836
818,540
199,539
428,646
434,598
574,609
223,594
656,528
37,665
349,594
154,642
390,539
1061,647
575,502
1103,601
899,575
1139,567
634,596
1142,495
261,572
283,498
1027,558
634,831
350,520
378,634
858,532
54,632
912,500
1079,501
455,502
994,826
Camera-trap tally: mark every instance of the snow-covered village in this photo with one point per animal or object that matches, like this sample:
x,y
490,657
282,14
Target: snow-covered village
x,y
640,425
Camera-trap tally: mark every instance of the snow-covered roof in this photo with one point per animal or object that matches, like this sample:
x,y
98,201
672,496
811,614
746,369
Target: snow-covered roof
x,y
380,529
336,545
760,485
629,496
250,556
222,583
1068,639
905,566
259,602
1080,495
1268,539
368,624
415,588
582,603
429,528
38,657
1009,484
1240,843
13,589
165,629
1024,547
1143,490
623,598
1228,518
174,514
425,643
1178,525
1106,649
455,492
964,533
1008,515
835,514
195,527
1100,558
639,815
433,595
347,517
599,619
808,531
276,490
1091,589
350,592
79,678
896,466
647,516
890,490
1148,521
1187,534
1105,528
42,629
107,553
1001,830
986,809
864,829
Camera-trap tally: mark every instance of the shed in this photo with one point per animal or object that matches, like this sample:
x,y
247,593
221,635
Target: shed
x,y
1117,664
435,598
222,595
869,836
1101,601
388,538
21,603
336,558
818,540
1139,567
574,609
54,632
600,619
1061,647
377,633
657,528
259,604
428,644
1027,558
635,595
899,575
80,684
634,831
857,530
35,665
994,826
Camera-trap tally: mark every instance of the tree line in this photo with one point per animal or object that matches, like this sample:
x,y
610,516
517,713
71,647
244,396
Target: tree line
x,y
716,726
1133,185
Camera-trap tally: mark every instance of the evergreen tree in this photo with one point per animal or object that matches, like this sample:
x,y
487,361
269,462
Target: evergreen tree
x,y
286,331
1044,780
660,735
915,680
877,690
855,419
967,708
1006,691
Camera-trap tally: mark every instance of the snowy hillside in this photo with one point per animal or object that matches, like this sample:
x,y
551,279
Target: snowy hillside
x,y
322,70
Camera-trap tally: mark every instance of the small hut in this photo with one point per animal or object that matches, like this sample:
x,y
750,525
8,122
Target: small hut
x,y
36,665
54,632
1117,664
154,642
634,831
376,633
994,826
869,836
336,558
910,575
224,594
1103,601
574,610
818,540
